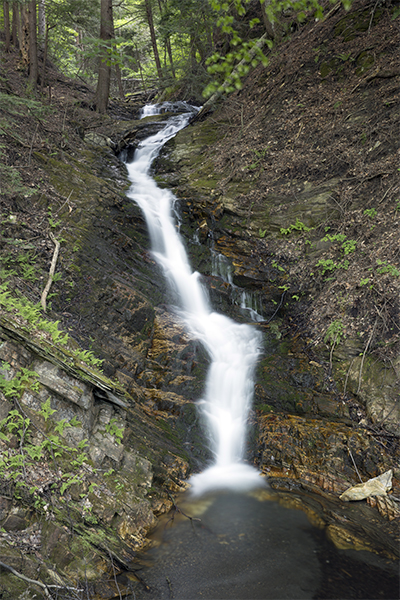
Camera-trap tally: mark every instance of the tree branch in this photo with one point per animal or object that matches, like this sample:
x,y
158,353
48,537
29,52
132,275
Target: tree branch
x,y
38,583
51,272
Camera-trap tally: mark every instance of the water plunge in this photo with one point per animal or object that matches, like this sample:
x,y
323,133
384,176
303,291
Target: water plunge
x,y
233,348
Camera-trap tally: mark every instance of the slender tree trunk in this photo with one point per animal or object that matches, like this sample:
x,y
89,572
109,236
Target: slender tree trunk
x,y
106,33
140,68
42,23
208,32
23,34
6,11
15,25
161,4
118,69
269,27
45,50
119,82
193,61
169,50
33,56
150,21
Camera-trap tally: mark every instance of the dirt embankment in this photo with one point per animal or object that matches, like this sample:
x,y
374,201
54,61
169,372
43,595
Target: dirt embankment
x,y
326,112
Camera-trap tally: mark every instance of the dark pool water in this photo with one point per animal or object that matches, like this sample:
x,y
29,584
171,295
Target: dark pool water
x,y
244,549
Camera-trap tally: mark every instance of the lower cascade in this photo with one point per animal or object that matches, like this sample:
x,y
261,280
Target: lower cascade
x,y
233,348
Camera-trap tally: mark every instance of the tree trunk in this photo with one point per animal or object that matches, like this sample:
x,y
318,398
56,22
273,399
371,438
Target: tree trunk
x,y
193,61
119,82
6,11
169,50
33,57
118,70
15,25
23,34
42,23
269,27
149,13
45,51
140,68
161,4
106,34
207,28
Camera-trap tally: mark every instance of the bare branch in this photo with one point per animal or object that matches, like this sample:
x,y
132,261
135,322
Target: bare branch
x,y
51,272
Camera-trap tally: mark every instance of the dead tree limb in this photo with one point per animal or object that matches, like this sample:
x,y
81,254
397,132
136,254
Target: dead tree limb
x,y
51,272
38,583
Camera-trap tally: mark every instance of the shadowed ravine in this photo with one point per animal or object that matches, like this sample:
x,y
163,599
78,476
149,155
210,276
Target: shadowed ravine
x,y
225,544
233,348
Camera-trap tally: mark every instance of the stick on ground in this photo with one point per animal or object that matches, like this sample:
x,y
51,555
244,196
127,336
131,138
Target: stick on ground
x,y
51,272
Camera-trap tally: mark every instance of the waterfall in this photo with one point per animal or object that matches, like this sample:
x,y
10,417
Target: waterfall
x,y
233,348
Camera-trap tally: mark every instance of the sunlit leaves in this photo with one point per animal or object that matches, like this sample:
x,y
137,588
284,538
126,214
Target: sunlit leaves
x,y
248,53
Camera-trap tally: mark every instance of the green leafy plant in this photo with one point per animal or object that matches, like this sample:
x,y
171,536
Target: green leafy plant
x,y
61,426
32,313
88,357
385,267
18,459
336,237
327,265
22,380
298,226
349,246
53,224
334,333
29,273
345,57
113,429
259,155
370,212
276,266
46,411
364,281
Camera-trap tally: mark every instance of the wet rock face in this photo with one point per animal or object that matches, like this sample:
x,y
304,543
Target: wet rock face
x,y
110,496
308,400
139,431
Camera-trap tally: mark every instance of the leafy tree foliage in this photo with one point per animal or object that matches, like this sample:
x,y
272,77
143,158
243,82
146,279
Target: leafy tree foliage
x,y
205,45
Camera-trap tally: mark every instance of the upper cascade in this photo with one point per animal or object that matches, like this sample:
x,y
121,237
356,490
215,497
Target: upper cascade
x,y
166,107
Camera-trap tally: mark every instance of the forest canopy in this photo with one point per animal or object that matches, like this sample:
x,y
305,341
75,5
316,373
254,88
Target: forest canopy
x,y
190,48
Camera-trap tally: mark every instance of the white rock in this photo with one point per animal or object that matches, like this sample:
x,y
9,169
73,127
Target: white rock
x,y
378,486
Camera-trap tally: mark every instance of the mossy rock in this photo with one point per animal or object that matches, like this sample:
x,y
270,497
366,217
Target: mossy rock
x,y
357,22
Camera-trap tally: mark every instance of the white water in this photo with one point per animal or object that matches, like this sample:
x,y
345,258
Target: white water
x,y
248,302
233,348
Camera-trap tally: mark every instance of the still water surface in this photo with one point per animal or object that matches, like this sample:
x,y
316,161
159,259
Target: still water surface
x,y
245,549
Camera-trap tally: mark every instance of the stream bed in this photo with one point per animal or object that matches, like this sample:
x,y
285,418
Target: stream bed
x,y
250,546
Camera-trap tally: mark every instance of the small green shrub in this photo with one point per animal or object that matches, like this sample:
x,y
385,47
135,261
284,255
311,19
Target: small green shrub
x,y
349,246
370,212
386,268
327,265
337,237
334,333
298,226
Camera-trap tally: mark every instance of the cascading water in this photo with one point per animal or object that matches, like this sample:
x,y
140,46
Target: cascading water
x,y
233,348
